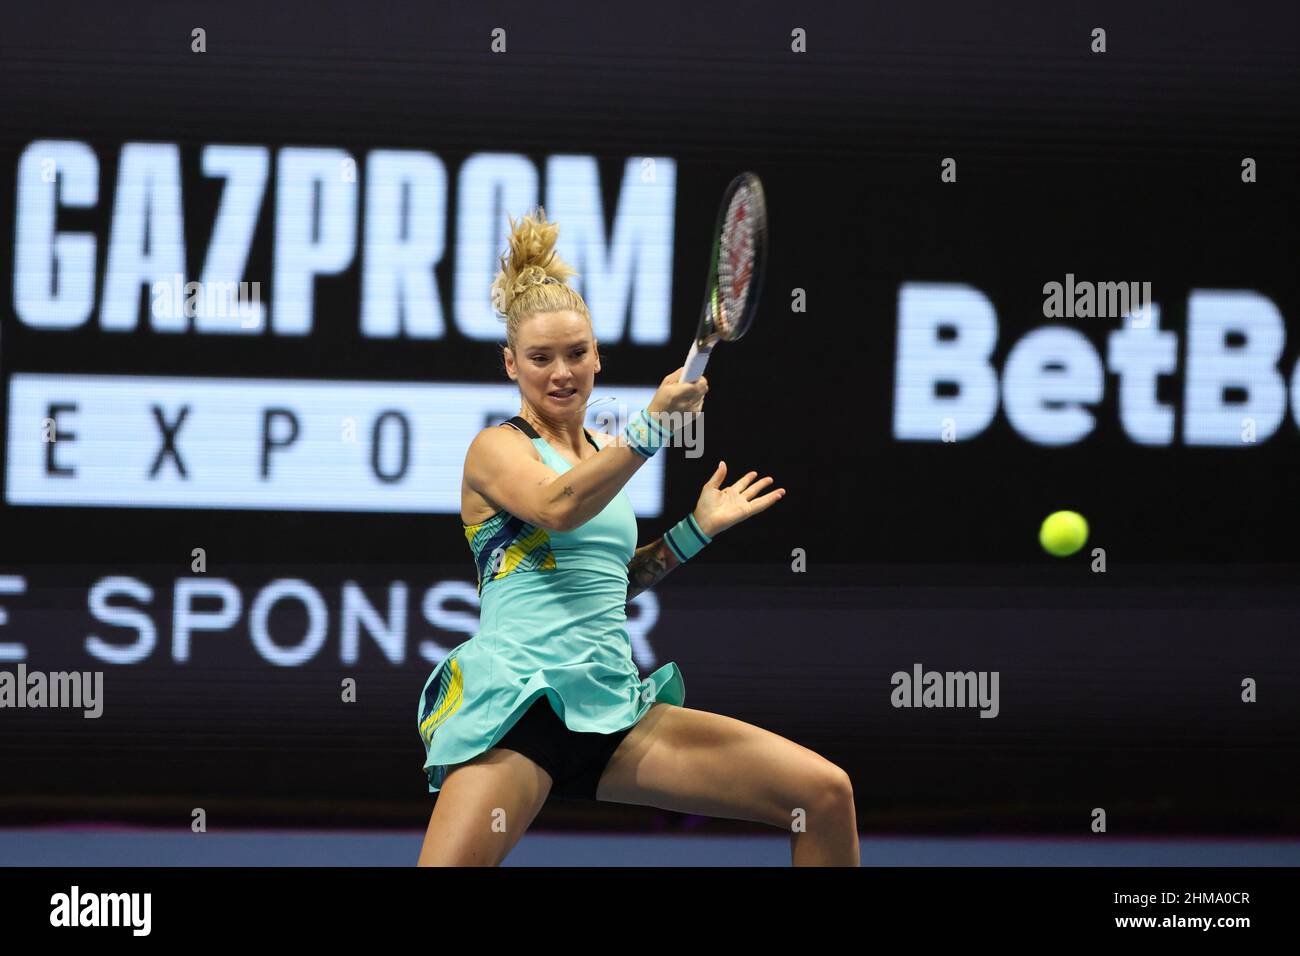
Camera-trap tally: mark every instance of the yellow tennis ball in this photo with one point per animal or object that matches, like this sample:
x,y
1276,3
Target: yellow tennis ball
x,y
1063,533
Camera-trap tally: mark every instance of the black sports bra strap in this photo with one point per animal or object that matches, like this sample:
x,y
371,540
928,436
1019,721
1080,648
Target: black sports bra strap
x,y
522,424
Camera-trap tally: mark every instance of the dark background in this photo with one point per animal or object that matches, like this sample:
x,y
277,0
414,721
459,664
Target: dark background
x,y
1118,690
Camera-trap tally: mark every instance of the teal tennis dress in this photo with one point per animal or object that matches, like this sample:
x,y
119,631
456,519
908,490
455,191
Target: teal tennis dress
x,y
551,623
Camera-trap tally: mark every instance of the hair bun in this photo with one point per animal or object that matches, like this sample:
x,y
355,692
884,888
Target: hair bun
x,y
530,260
531,275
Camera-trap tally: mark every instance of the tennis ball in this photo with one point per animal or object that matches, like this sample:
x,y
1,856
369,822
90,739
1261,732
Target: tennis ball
x,y
1063,533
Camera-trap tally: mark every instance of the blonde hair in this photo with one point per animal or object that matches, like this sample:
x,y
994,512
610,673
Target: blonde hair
x,y
533,278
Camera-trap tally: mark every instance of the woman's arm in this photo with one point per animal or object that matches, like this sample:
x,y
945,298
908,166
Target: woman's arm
x,y
648,567
500,466
504,469
718,509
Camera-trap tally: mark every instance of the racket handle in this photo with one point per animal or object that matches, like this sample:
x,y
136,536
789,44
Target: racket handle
x,y
696,359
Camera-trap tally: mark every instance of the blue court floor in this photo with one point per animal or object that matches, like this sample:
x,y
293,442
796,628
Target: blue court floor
x,y
109,846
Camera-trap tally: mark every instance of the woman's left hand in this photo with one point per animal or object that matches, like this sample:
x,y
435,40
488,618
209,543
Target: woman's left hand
x,y
719,508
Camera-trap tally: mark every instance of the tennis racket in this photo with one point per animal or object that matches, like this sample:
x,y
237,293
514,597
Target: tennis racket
x,y
735,271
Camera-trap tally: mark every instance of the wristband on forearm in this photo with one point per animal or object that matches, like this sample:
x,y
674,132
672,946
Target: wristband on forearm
x,y
645,435
686,539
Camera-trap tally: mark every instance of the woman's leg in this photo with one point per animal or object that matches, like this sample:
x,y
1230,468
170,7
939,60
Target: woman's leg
x,y
483,808
692,761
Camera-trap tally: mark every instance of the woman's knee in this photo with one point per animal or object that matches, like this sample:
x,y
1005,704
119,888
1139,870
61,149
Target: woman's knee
x,y
483,809
823,789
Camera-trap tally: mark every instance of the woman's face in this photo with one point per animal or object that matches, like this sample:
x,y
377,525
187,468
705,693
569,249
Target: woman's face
x,y
555,361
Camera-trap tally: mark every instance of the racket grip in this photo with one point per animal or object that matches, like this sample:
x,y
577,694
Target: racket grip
x,y
696,359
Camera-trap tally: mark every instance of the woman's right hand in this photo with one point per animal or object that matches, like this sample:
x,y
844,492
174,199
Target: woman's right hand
x,y
674,395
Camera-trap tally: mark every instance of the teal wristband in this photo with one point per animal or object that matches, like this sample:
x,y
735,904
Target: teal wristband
x,y
644,435
686,539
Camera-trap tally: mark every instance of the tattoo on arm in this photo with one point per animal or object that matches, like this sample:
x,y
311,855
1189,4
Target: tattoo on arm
x,y
568,491
648,567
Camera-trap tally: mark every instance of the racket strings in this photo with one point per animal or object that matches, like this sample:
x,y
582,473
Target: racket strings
x,y
735,263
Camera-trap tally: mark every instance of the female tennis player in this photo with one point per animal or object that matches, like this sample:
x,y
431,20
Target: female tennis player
x,y
546,700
